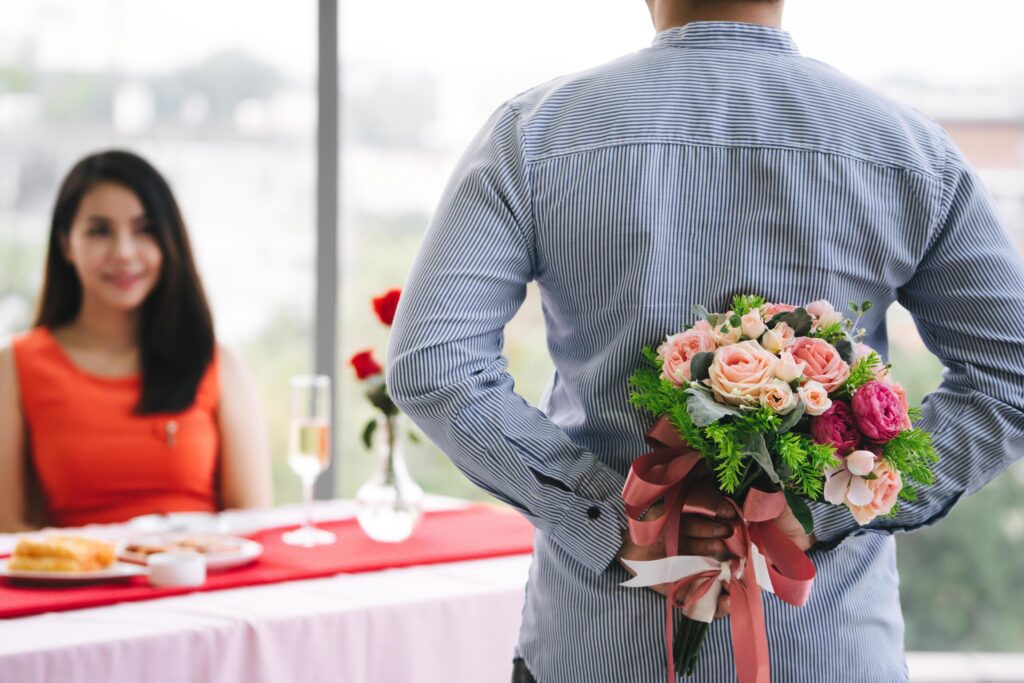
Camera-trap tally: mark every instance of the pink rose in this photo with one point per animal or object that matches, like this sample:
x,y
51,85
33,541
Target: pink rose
x,y
815,398
778,338
879,413
836,426
678,350
898,389
824,363
885,490
772,310
739,372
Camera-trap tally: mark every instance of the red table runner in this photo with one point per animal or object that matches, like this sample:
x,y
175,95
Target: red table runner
x,y
478,532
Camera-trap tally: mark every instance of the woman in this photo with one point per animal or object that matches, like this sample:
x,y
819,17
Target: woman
x,y
119,402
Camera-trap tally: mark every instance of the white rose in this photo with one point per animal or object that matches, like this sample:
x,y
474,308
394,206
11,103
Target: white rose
x,y
787,368
752,324
778,396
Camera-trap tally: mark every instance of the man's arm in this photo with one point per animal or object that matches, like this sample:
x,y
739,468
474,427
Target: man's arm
x,y
967,298
445,363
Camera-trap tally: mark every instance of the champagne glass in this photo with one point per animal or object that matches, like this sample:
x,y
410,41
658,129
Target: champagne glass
x,y
309,439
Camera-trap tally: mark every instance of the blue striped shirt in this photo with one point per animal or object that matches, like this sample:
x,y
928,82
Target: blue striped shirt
x,y
717,161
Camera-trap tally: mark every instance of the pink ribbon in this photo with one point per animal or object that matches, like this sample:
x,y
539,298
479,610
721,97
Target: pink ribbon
x,y
675,473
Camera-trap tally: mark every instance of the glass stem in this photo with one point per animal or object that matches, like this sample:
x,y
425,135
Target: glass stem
x,y
307,501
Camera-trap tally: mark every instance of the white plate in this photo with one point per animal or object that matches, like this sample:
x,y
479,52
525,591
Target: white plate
x,y
246,551
115,572
193,522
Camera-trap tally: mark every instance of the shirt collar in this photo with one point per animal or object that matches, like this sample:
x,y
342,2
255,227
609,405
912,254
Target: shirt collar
x,y
726,35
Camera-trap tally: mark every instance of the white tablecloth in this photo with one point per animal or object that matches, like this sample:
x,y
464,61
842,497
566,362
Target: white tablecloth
x,y
435,624
447,623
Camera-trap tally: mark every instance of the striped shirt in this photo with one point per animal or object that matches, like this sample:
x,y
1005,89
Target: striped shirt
x,y
717,161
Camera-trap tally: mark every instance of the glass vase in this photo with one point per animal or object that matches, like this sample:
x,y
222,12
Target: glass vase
x,y
390,503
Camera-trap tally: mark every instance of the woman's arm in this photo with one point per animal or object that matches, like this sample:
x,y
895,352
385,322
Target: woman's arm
x,y
244,447
12,449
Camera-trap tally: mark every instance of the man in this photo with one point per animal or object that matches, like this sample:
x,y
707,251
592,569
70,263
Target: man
x,y
717,161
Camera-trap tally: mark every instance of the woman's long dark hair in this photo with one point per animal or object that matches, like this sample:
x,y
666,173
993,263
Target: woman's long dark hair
x,y
176,339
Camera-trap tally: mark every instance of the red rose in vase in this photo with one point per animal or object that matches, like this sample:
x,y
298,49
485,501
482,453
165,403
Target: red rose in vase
x,y
386,304
365,365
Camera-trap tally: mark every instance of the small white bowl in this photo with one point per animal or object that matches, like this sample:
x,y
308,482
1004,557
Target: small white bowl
x,y
177,568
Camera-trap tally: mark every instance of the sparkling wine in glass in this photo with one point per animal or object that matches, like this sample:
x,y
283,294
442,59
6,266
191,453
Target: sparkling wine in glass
x,y
309,439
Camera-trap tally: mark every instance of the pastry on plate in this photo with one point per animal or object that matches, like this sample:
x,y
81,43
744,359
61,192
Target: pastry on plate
x,y
62,554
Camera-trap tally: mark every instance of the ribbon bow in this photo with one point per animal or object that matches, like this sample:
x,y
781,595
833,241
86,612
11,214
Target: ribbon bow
x,y
762,556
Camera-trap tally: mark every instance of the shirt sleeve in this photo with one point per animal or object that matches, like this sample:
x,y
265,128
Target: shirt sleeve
x,y
967,299
445,364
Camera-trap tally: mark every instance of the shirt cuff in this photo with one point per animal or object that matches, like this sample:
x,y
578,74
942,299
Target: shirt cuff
x,y
594,519
832,523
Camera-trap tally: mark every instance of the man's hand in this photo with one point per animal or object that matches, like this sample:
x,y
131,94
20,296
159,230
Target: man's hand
x,y
789,525
698,535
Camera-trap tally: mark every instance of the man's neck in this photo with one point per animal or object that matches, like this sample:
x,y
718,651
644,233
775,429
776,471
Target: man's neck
x,y
667,14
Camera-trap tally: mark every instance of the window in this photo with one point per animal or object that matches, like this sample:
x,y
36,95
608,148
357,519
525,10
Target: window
x,y
225,109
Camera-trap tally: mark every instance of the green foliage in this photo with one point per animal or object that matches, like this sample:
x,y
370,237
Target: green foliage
x,y
730,459
912,454
800,320
805,461
704,409
745,303
367,436
832,333
700,365
861,372
760,420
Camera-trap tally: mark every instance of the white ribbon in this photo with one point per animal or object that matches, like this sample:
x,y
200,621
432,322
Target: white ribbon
x,y
672,569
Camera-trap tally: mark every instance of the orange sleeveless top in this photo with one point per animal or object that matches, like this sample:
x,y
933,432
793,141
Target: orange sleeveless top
x,y
99,462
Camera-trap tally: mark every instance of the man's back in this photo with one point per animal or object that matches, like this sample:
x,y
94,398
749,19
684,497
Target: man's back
x,y
716,162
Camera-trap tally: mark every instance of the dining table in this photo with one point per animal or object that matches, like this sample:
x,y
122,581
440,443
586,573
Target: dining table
x,y
440,622
444,622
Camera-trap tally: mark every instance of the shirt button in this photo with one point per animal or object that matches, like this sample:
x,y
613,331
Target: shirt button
x,y
594,512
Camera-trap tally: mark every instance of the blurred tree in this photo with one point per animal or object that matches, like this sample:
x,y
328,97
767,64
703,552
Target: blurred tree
x,y
961,578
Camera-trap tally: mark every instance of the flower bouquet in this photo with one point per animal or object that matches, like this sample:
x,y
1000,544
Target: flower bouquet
x,y
769,405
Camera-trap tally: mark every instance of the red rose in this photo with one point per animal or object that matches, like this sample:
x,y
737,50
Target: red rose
x,y
365,365
386,304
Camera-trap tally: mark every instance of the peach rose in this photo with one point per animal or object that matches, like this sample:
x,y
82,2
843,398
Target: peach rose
x,y
885,490
740,371
824,363
779,397
678,350
778,338
814,397
752,324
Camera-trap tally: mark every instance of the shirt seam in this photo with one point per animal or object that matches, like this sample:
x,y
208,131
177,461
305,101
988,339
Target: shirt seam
x,y
528,236
723,145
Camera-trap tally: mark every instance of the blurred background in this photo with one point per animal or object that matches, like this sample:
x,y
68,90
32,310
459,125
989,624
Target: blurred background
x,y
222,97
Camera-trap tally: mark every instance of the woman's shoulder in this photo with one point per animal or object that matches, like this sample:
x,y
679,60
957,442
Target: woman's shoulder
x,y
30,341
26,349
